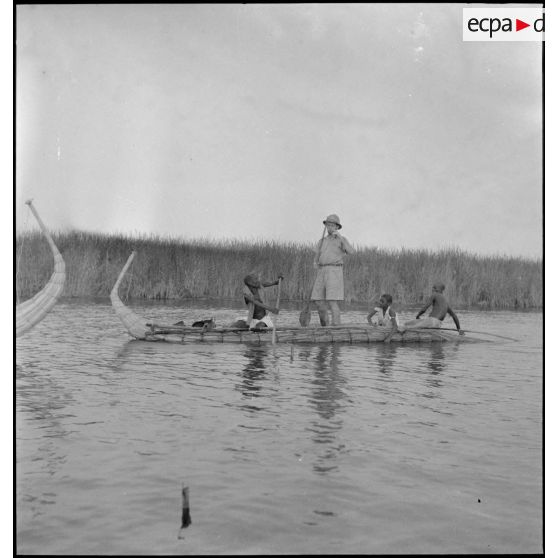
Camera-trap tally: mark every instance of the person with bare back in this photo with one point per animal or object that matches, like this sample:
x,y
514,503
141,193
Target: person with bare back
x,y
258,316
440,308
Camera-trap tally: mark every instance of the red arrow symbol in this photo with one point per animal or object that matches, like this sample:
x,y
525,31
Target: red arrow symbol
x,y
519,25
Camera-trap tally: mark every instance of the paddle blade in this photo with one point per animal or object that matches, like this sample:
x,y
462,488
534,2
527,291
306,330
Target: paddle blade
x,y
305,315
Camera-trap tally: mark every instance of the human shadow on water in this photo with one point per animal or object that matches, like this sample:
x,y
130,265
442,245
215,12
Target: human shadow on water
x,y
327,397
253,372
132,352
426,363
385,357
436,364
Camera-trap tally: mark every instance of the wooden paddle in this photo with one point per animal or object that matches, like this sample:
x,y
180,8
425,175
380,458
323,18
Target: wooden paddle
x,y
273,337
466,331
304,318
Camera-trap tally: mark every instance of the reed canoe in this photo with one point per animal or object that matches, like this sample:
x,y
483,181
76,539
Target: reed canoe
x,y
32,311
141,329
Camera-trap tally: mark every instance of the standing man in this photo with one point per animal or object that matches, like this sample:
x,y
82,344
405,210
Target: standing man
x,y
329,288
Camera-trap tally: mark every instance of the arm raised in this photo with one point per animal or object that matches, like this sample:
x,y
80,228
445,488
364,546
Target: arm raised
x,y
252,299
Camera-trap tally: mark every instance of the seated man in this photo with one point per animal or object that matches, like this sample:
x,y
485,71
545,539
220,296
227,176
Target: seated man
x,y
440,308
258,316
385,316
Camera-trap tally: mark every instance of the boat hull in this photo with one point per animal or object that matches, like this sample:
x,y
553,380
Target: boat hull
x,y
350,334
138,328
32,311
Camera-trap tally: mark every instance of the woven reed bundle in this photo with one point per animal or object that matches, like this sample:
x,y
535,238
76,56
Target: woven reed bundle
x,y
352,334
32,311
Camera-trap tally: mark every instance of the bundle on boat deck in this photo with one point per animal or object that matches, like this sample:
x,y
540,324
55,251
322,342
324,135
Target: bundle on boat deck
x,y
139,328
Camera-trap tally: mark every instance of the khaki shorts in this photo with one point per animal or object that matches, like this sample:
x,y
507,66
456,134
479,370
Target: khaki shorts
x,y
329,284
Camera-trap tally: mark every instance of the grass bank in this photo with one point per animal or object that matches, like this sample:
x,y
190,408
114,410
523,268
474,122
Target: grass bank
x,y
167,268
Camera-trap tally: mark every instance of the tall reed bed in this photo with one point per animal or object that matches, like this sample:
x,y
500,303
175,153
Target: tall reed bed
x,y
167,268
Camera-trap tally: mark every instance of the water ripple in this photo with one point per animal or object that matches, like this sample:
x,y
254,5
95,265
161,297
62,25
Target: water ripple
x,y
302,449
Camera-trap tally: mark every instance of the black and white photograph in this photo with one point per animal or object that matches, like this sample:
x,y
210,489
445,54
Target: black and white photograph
x,y
279,279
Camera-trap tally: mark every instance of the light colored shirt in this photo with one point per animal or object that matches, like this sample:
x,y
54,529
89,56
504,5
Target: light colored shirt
x,y
385,319
375,320
333,249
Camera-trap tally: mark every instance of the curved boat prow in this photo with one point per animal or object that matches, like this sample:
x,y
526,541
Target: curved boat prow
x,y
138,328
32,311
134,324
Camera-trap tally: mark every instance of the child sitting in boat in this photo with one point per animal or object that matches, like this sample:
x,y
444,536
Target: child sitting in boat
x,y
440,308
385,316
258,316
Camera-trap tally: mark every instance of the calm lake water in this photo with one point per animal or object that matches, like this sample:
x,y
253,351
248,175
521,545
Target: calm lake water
x,y
306,449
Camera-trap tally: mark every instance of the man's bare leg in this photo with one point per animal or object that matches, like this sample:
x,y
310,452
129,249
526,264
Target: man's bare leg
x,y
322,312
335,312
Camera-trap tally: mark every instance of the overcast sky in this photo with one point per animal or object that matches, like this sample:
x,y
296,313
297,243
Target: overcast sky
x,y
257,121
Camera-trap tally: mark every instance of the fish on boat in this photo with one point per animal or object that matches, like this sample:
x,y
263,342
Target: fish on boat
x,y
32,311
140,329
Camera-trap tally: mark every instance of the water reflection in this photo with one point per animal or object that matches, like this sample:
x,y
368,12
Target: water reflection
x,y
137,355
181,404
390,358
385,357
252,374
122,355
253,371
436,364
43,399
42,406
327,397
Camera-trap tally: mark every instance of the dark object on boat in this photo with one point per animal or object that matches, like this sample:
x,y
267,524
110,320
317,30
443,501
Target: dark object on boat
x,y
206,324
181,322
239,324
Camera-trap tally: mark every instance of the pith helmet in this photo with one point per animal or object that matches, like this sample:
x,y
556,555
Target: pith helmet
x,y
333,219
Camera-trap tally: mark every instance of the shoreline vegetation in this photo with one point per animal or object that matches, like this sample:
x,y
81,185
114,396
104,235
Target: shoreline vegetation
x,y
178,269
